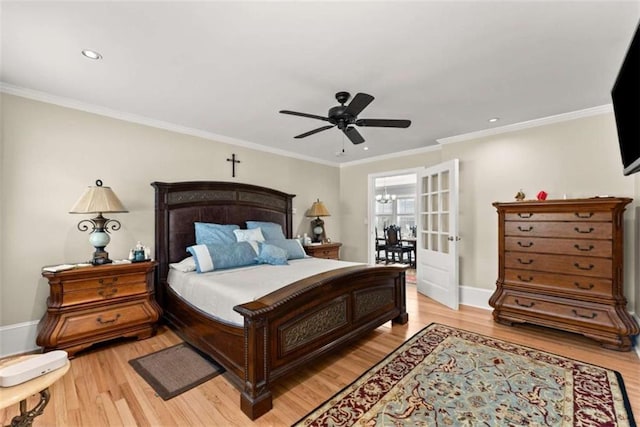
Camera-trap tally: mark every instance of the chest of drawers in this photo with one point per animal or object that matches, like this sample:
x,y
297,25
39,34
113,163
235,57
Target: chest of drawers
x,y
560,265
92,304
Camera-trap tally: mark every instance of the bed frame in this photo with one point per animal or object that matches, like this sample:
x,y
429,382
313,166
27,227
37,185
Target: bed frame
x,y
282,330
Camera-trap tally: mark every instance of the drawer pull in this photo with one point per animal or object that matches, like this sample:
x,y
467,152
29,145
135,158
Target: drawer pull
x,y
525,245
522,279
531,304
525,215
584,216
577,246
578,266
530,261
107,294
590,230
112,282
584,316
107,322
525,230
586,288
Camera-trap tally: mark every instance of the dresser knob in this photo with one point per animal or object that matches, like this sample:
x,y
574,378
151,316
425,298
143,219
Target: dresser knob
x,y
107,322
578,266
525,245
584,316
590,230
584,216
531,304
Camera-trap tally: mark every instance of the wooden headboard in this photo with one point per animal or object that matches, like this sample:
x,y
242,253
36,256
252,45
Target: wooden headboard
x,y
180,204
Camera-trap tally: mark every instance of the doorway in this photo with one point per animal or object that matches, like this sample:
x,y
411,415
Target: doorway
x,y
392,201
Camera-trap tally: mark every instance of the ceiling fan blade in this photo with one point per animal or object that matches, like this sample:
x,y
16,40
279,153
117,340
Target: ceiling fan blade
x,y
353,134
311,132
358,103
311,116
384,123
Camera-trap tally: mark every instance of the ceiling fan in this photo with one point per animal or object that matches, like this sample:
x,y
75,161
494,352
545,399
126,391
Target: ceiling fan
x,y
346,116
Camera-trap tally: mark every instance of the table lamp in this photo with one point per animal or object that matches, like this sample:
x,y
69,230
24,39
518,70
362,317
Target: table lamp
x,y
98,200
318,209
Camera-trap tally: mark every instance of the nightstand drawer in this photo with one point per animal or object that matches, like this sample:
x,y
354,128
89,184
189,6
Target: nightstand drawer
x,y
99,321
326,250
84,291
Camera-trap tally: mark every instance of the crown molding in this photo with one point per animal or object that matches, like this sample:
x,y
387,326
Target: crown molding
x,y
602,109
133,118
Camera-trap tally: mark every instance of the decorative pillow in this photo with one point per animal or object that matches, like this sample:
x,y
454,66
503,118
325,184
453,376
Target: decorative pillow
x,y
270,254
218,257
270,230
252,236
291,246
186,265
215,234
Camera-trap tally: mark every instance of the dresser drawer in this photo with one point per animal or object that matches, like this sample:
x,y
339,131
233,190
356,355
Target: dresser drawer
x,y
566,264
571,286
580,247
559,216
559,310
99,321
576,230
331,253
93,290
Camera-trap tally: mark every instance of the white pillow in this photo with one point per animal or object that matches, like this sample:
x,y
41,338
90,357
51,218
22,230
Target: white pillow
x,y
185,266
253,236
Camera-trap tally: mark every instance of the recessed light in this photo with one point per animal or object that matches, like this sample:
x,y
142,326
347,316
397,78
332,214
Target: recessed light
x,y
365,148
494,119
91,54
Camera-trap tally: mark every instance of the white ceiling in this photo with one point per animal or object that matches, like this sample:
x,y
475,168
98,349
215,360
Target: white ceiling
x,y
225,69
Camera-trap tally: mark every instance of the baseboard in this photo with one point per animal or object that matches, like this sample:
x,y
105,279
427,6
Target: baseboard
x,y
18,338
475,297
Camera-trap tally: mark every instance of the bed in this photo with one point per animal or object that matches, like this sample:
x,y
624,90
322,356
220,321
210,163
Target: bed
x,y
284,329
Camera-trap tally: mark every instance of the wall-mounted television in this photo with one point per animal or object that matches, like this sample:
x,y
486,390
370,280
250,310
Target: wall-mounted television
x,y
626,106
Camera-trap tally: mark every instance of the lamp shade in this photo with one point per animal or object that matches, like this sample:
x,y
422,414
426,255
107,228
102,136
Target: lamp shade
x,y
318,209
98,199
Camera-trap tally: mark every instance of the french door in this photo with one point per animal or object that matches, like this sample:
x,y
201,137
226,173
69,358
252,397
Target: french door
x,y
437,237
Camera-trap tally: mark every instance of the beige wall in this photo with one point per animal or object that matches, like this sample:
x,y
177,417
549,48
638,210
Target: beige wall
x,y
578,158
50,154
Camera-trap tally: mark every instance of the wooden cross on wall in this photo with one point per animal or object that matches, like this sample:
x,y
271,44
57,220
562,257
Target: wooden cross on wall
x,y
233,161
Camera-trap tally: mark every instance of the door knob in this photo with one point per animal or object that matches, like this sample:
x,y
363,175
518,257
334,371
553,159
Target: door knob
x,y
451,238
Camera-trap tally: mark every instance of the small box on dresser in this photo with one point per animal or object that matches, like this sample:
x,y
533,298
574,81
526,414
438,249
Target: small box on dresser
x,y
560,265
87,305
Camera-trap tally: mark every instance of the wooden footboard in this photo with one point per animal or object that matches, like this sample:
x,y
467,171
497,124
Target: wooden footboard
x,y
302,322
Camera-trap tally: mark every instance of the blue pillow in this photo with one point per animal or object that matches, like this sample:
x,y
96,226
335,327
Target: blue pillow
x,y
218,257
215,234
270,254
270,230
291,246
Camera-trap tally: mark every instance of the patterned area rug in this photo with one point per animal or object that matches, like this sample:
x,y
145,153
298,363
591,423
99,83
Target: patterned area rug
x,y
445,376
174,370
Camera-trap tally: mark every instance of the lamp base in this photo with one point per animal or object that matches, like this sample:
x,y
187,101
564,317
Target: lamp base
x,y
100,257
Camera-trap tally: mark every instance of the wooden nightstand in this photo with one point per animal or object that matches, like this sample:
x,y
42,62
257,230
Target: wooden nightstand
x,y
325,250
87,305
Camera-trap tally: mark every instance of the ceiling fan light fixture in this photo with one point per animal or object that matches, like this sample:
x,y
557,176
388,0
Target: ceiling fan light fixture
x,y
91,54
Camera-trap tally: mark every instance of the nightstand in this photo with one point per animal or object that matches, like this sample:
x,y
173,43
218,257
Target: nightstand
x,y
87,305
325,250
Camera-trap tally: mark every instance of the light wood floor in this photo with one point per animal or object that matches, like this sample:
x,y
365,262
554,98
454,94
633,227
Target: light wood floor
x,y
101,388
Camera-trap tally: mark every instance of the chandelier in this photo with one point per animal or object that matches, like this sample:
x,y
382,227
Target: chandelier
x,y
385,197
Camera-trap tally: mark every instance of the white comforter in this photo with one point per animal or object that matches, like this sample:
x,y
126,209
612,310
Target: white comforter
x,y
218,292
